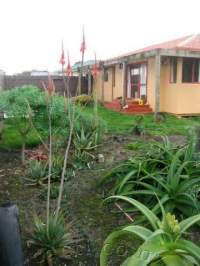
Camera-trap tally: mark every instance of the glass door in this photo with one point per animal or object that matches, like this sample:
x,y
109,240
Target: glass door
x,y
138,80
135,82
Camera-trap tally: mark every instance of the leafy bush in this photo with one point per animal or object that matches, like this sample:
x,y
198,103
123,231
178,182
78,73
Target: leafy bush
x,y
163,244
14,102
84,100
18,101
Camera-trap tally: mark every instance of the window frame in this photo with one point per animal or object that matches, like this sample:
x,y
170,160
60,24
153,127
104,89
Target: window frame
x,y
105,75
173,60
193,70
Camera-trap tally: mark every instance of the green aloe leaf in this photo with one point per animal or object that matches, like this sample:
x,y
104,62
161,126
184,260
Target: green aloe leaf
x,y
185,185
139,192
151,217
173,166
140,231
108,245
126,179
135,262
187,223
150,187
159,181
176,260
176,179
192,249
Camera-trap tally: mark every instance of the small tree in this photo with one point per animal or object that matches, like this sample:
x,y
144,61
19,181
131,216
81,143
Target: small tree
x,y
1,124
17,104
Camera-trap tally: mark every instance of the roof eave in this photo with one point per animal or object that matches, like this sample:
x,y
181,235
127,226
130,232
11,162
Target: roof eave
x,y
131,57
143,55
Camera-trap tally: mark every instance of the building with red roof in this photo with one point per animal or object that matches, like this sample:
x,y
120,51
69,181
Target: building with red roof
x,y
163,77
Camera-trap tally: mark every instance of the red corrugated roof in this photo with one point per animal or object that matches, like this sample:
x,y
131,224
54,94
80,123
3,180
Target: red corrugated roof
x,y
191,42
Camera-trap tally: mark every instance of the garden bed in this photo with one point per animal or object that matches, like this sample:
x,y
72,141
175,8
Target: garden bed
x,y
83,202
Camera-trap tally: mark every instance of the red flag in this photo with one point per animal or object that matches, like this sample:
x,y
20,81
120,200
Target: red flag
x,y
62,58
69,68
95,68
83,46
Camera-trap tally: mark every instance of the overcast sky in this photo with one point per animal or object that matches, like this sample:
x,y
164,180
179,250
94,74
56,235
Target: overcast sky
x,y
32,30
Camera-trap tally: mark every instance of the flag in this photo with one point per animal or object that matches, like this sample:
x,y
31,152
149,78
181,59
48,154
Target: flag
x,y
62,58
95,68
69,68
83,46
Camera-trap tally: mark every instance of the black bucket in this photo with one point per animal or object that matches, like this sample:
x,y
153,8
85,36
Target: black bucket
x,y
10,241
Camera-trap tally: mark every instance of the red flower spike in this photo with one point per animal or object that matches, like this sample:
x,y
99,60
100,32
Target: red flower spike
x,y
83,45
50,86
69,68
62,58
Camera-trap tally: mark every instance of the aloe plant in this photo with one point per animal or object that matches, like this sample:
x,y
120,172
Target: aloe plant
x,y
51,242
154,162
174,189
169,172
38,172
85,143
163,243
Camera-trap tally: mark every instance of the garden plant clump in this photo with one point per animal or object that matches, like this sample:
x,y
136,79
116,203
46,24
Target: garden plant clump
x,y
168,171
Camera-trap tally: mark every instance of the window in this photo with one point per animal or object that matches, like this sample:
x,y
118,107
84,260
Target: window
x,y
191,70
105,74
173,69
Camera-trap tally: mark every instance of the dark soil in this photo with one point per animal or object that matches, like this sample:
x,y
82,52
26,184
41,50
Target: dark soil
x,y
83,203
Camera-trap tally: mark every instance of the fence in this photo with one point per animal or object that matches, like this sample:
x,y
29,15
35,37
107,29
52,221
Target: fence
x,y
8,82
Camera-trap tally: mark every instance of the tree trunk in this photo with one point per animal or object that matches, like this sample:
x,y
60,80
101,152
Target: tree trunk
x,y
23,151
10,242
1,128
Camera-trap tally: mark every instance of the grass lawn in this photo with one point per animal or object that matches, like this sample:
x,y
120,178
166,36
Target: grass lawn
x,y
116,124
12,140
122,123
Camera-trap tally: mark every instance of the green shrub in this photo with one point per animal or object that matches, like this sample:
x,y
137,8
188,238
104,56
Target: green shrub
x,y
18,101
84,100
14,102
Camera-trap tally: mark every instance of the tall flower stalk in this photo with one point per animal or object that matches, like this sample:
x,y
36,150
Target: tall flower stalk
x,y
50,90
69,108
